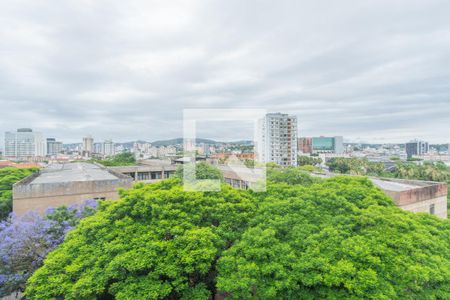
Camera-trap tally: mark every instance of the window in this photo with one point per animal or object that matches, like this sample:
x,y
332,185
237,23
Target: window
x,y
156,175
432,209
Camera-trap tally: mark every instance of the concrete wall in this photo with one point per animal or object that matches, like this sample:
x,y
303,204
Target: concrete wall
x,y
424,193
440,206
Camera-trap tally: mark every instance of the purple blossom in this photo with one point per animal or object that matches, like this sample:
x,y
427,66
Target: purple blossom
x,y
49,210
26,240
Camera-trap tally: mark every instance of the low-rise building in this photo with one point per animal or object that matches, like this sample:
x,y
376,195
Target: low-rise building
x,y
416,195
67,184
148,171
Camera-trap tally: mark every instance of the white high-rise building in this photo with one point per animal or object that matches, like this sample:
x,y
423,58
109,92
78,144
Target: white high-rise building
x,y
278,138
98,148
25,144
53,147
88,145
109,148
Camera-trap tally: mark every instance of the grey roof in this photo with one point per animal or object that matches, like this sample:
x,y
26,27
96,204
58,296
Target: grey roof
x,y
394,186
71,172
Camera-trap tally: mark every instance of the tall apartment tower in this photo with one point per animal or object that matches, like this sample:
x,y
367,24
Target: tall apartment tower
x,y
53,147
88,145
278,138
24,144
416,148
109,148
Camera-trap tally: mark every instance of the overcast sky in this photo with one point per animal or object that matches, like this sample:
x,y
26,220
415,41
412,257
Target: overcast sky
x,y
375,71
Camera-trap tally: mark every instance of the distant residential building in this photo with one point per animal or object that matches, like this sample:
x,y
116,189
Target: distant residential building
x,y
416,148
88,145
321,144
146,151
328,145
25,145
224,156
53,147
305,145
98,148
109,148
278,138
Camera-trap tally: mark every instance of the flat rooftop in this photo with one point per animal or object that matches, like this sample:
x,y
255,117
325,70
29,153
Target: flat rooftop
x,y
393,185
71,172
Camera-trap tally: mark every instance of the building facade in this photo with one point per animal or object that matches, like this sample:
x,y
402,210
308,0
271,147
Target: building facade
x,y
278,139
416,195
66,184
53,147
25,145
109,148
321,144
88,145
324,144
304,145
416,148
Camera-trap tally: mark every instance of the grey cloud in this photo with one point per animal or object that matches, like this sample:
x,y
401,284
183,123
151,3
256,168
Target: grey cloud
x,y
373,70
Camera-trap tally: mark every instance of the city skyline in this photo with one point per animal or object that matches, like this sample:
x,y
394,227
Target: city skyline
x,y
373,72
217,138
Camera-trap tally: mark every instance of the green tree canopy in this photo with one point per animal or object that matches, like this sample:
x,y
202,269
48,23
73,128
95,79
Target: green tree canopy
x,y
9,176
203,170
304,160
121,159
156,242
340,238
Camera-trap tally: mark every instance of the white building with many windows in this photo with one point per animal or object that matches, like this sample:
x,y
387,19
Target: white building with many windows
x,y
25,145
278,138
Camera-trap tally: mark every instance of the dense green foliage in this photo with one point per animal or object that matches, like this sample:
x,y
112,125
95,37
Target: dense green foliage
x,y
9,176
355,166
121,159
157,242
290,175
304,160
203,170
339,239
433,171
304,238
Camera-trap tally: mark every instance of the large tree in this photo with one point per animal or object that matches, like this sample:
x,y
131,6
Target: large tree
x,y
341,239
156,242
301,239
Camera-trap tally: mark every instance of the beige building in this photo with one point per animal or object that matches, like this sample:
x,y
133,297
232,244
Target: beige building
x,y
416,195
148,171
66,184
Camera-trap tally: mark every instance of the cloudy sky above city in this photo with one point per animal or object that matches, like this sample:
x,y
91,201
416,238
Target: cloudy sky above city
x,y
376,71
